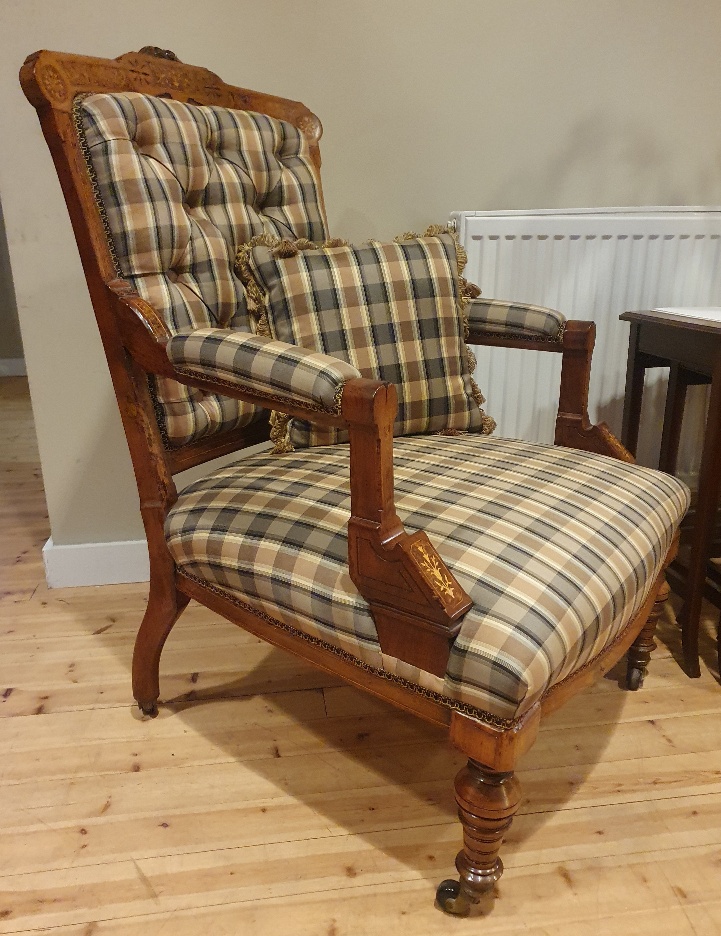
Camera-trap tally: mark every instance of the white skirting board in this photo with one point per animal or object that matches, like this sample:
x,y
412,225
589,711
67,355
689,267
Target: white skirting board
x,y
96,563
12,367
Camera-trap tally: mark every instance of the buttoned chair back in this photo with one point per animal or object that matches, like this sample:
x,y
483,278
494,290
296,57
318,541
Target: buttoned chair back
x,y
179,187
179,179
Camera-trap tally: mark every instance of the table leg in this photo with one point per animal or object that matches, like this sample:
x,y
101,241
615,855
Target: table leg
x,y
673,418
709,488
633,397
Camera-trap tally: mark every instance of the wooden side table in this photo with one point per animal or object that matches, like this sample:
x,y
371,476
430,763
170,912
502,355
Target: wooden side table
x,y
691,348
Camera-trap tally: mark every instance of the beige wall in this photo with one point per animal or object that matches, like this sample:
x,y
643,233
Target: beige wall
x,y
10,343
428,106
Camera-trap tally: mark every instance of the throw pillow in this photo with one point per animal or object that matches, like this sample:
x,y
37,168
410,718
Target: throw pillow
x,y
393,310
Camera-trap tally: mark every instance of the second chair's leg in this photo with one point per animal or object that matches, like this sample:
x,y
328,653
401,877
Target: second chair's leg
x,y
487,802
640,651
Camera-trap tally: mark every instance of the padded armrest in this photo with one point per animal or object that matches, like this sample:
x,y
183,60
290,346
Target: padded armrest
x,y
515,319
261,365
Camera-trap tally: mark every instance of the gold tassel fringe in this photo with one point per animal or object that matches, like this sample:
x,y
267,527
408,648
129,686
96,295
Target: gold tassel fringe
x,y
280,433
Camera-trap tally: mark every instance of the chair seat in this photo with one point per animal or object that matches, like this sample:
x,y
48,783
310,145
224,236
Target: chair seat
x,y
557,549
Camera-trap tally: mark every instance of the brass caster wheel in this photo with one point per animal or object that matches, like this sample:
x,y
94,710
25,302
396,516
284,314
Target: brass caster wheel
x,y
634,678
149,708
451,899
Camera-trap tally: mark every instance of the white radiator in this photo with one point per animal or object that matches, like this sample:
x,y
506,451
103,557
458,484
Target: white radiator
x,y
592,264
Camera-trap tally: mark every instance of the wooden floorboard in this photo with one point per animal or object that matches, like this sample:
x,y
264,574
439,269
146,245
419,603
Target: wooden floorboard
x,y
269,798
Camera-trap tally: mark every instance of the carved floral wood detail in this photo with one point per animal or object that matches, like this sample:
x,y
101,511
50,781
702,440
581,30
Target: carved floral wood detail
x,y
53,83
158,71
159,53
434,571
310,127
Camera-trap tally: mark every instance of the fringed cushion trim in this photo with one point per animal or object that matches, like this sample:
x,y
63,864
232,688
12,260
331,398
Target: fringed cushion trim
x,y
258,304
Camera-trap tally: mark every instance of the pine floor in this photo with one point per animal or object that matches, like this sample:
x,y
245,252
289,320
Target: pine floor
x,y
267,798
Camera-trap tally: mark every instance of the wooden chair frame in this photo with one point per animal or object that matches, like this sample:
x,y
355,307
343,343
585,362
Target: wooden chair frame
x,y
419,628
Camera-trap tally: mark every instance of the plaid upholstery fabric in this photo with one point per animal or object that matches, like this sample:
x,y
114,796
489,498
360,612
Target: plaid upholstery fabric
x,y
181,187
557,549
263,365
515,318
392,310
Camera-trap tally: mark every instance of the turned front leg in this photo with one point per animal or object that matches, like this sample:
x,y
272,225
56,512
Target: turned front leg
x,y
487,802
639,653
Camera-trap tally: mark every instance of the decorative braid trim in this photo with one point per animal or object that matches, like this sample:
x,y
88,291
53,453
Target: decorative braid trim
x,y
338,399
85,151
160,415
257,297
523,336
280,424
488,718
468,290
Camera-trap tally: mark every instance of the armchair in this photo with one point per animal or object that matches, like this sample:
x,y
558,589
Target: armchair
x,y
474,581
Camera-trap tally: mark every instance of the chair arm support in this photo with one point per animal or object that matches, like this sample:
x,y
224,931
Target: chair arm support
x,y
575,344
514,319
573,426
416,603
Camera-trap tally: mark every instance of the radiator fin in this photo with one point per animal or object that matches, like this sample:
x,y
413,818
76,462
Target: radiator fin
x,y
592,264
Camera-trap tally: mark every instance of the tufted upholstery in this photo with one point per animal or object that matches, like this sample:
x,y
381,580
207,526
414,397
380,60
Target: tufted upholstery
x,y
182,186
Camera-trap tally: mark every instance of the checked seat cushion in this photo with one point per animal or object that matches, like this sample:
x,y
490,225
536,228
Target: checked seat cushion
x,y
557,549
